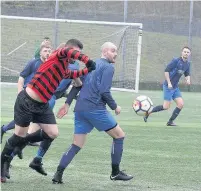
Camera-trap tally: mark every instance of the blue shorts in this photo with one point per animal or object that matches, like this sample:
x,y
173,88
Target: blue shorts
x,y
171,94
85,121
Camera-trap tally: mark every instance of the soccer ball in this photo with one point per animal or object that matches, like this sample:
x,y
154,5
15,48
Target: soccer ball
x,y
142,104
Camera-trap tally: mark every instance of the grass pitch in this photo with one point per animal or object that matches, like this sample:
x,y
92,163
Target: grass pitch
x,y
161,158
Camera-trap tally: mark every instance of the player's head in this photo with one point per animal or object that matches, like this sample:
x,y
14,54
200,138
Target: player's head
x,y
186,52
75,44
45,52
47,39
109,51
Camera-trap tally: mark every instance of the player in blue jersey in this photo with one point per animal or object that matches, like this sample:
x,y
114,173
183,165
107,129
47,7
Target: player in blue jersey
x,y
173,72
90,111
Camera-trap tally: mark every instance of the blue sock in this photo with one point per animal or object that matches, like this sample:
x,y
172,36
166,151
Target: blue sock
x,y
9,126
44,146
116,154
157,109
175,114
68,156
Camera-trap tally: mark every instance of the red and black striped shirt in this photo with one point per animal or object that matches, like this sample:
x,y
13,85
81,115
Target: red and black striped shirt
x,y
50,73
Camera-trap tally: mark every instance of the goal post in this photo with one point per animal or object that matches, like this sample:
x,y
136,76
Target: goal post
x,y
21,34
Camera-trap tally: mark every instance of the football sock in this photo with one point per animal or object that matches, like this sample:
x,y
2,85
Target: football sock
x,y
116,154
9,126
157,109
68,156
11,143
175,114
37,136
44,146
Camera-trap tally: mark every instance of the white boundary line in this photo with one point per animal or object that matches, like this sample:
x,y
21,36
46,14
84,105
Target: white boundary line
x,y
113,89
16,48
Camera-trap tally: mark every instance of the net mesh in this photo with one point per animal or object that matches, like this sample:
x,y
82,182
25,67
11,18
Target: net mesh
x,y
20,39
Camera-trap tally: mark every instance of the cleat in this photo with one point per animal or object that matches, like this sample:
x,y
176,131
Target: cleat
x,y
57,179
121,176
146,116
36,144
170,123
37,165
2,132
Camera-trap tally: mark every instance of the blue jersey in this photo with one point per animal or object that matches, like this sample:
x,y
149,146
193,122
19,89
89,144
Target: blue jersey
x,y
95,92
176,68
30,70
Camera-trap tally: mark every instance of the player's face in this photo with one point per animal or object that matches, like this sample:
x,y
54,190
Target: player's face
x,y
185,53
75,48
45,53
111,54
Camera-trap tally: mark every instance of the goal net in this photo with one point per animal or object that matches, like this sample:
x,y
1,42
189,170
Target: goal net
x,y
21,36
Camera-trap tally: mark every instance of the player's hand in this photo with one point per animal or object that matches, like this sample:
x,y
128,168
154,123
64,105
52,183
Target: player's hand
x,y
118,110
63,111
188,82
169,86
91,65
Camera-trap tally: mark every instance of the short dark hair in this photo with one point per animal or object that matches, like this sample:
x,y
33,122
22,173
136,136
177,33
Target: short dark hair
x,y
74,42
187,47
46,38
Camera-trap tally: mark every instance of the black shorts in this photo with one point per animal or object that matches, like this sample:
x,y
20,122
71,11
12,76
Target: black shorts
x,y
28,110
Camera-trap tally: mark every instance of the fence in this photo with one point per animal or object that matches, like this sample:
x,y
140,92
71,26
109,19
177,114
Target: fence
x,y
167,27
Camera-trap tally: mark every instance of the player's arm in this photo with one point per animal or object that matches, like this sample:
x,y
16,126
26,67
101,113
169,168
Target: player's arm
x,y
23,74
72,95
73,74
105,86
187,76
20,84
168,69
70,53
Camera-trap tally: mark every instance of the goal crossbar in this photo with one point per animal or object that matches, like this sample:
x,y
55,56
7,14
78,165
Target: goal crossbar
x,y
138,26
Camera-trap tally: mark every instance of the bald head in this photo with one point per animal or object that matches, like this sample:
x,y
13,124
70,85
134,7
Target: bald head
x,y
107,45
109,51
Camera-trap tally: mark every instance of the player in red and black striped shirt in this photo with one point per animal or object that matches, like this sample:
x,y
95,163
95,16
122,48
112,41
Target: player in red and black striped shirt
x,y
32,103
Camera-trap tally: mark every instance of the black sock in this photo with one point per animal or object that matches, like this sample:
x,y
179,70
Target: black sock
x,y
174,114
115,169
37,136
11,143
157,109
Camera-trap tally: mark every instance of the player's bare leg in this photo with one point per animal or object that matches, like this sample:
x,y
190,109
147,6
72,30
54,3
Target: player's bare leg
x,y
117,149
78,143
180,103
165,106
33,128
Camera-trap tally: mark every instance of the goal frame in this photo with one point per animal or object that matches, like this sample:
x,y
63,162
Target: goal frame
x,y
139,43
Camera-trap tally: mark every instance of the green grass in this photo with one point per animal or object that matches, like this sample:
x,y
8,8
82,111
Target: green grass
x,y
161,158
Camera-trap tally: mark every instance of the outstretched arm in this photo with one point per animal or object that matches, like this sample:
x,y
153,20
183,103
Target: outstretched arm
x,y
72,95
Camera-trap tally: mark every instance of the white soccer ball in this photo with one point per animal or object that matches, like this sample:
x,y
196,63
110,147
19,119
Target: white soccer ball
x,y
142,104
